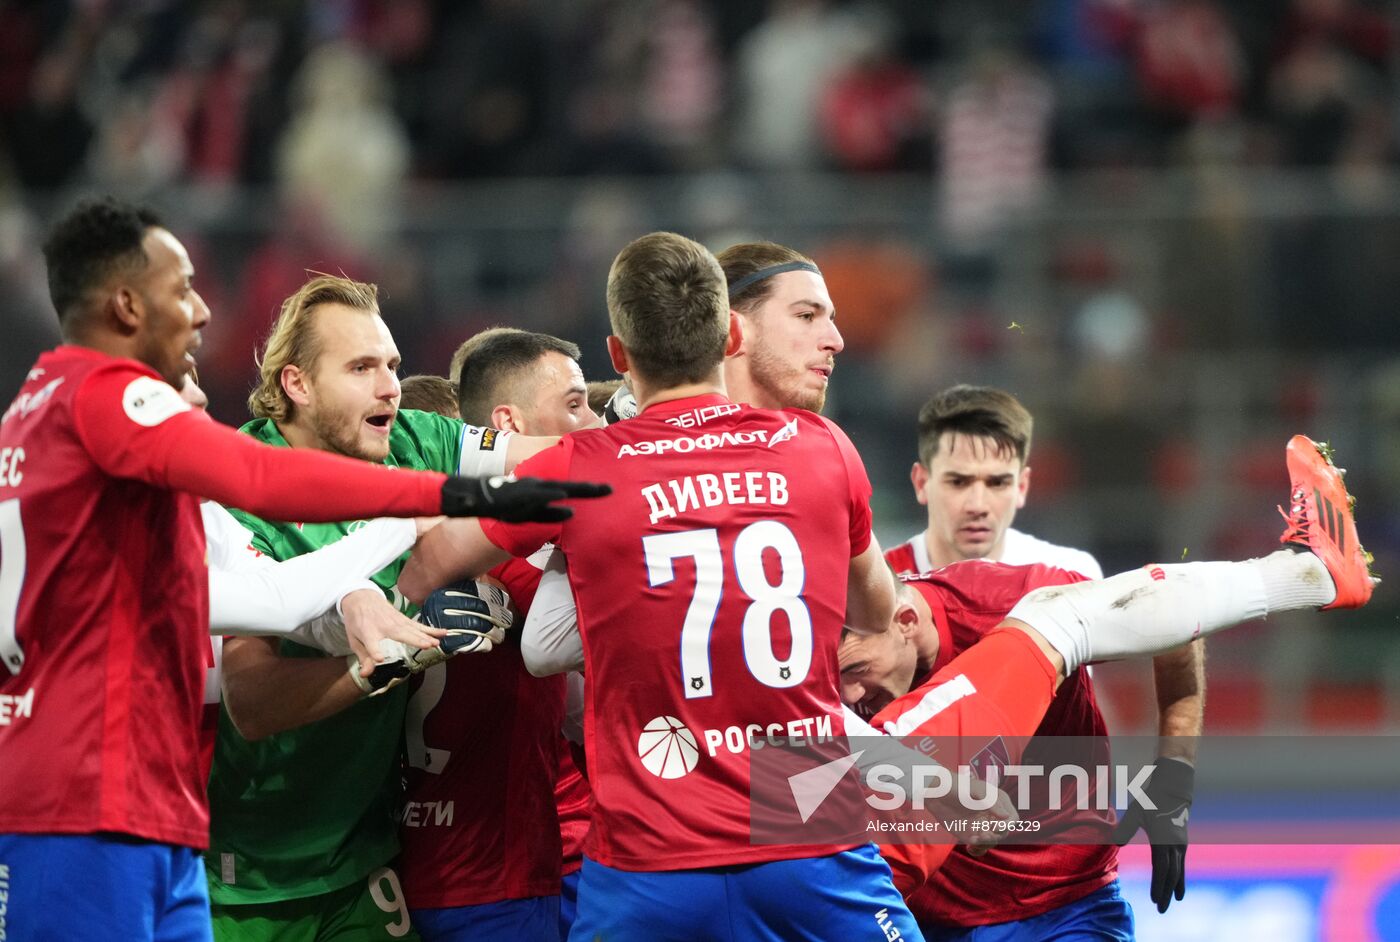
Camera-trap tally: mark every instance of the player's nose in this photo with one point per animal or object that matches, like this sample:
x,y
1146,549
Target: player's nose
x,y
388,385
202,313
832,341
976,500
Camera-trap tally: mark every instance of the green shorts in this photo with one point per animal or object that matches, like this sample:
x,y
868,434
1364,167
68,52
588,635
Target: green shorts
x,y
375,909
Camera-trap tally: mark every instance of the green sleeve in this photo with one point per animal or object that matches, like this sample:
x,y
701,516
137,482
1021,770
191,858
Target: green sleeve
x,y
434,440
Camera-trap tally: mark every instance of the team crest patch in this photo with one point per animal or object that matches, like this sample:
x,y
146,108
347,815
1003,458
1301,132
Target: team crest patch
x,y
149,401
994,755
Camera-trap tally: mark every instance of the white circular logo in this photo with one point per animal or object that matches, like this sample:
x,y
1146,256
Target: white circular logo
x,y
667,748
149,402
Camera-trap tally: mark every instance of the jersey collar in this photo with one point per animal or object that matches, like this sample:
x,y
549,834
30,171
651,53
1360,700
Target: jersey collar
x,y
675,406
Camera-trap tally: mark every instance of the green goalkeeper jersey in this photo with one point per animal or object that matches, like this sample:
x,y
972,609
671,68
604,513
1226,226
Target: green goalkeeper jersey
x,y
315,808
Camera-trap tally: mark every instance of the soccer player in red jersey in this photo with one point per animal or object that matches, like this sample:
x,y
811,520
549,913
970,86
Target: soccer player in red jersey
x,y
711,597
972,473
785,360
480,839
997,688
103,588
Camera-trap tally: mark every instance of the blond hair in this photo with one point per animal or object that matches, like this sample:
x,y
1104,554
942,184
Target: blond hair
x,y
669,306
295,342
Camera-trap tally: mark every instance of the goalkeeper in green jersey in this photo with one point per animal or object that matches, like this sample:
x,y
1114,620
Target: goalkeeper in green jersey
x,y
304,786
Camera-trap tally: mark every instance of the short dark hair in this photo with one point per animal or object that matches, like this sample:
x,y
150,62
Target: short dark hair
x,y
979,411
96,239
428,393
668,304
488,367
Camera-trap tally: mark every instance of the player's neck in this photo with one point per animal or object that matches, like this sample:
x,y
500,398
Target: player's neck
x,y
112,344
741,389
925,639
940,556
649,395
300,437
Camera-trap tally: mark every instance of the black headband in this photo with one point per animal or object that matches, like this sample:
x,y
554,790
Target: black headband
x,y
757,276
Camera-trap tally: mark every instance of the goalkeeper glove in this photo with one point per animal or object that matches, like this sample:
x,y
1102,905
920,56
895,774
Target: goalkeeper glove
x,y
622,405
475,615
527,500
1170,788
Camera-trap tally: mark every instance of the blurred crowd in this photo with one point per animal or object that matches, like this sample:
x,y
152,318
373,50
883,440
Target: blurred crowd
x,y
366,92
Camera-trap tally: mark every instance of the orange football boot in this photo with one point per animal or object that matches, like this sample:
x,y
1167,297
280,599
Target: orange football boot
x,y
1320,520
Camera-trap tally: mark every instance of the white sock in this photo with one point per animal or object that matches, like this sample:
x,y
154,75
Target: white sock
x,y
1154,609
1294,580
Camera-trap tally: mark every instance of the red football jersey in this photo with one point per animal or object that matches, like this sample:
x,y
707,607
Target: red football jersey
x,y
969,599
902,560
574,801
483,742
711,590
104,597
104,592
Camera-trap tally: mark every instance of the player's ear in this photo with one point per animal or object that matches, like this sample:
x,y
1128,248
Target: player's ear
x,y
505,418
127,308
617,354
906,619
294,384
1023,487
918,476
736,335
745,327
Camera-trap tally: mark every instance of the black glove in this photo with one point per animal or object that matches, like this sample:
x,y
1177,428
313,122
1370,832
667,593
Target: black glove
x,y
1170,788
526,500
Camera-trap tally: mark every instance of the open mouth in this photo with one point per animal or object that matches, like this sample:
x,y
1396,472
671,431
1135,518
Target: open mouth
x,y
380,421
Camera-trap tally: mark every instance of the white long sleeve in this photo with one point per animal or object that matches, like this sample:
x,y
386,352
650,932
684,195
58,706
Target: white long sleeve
x,y
550,642
251,594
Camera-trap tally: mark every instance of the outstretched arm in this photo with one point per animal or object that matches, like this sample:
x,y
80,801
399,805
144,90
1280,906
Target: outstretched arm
x,y
135,426
263,596
455,549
